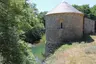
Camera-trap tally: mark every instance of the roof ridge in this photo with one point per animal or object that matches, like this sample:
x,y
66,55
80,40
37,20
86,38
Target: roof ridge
x,y
64,7
64,2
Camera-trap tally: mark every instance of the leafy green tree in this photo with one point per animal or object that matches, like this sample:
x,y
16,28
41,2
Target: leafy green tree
x,y
88,11
35,34
29,24
93,11
84,8
10,47
41,16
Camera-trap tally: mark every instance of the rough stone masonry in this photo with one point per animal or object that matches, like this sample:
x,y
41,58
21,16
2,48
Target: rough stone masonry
x,y
64,23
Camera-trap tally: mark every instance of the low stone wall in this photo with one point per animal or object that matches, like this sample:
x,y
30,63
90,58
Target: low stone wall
x,y
89,26
51,47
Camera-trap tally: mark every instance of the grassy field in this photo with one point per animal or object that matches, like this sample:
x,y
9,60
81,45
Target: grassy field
x,y
76,53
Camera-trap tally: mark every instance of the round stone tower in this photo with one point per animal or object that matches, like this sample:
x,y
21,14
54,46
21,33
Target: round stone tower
x,y
63,23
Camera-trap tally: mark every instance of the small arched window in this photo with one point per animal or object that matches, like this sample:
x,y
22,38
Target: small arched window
x,y
61,26
61,23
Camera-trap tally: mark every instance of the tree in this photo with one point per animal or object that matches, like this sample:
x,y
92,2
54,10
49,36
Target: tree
x,y
93,11
88,11
29,24
41,16
84,8
34,34
10,47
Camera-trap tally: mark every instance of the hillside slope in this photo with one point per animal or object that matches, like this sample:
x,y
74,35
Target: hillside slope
x,y
77,53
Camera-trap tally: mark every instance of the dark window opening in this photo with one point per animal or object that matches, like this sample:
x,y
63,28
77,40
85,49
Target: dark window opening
x,y
61,25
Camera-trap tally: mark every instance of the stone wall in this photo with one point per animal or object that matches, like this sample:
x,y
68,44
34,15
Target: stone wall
x,y
72,29
89,26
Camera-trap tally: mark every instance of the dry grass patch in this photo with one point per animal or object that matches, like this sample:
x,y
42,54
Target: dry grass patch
x,y
84,53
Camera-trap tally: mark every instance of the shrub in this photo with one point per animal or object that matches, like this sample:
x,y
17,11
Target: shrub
x,y
28,57
23,56
33,35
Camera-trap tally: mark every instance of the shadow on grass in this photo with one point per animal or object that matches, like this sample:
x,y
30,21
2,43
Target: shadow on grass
x,y
85,39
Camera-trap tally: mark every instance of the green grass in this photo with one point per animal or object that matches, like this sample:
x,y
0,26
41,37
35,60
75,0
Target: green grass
x,y
66,46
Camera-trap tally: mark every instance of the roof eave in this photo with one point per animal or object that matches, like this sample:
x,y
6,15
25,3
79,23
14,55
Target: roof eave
x,y
65,13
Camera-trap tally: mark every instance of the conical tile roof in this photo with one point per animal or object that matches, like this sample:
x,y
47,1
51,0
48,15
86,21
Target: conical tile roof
x,y
64,7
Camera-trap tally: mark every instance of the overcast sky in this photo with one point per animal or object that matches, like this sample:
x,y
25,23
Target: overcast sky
x,y
47,5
